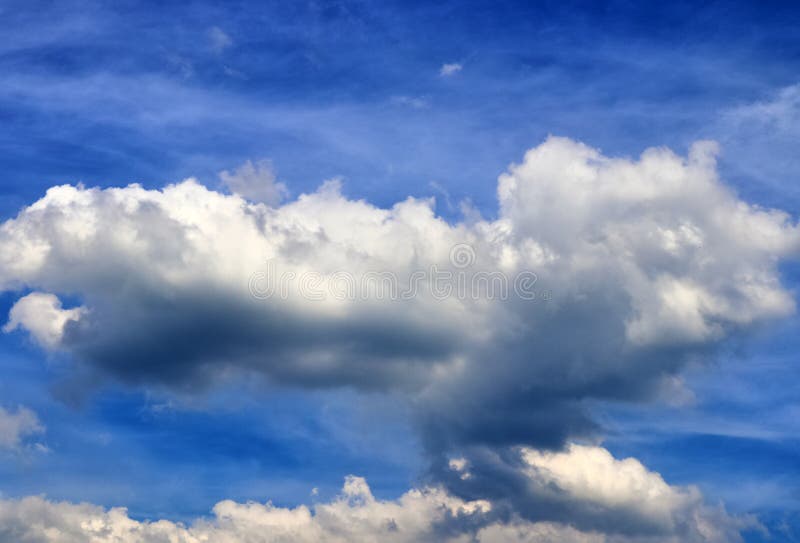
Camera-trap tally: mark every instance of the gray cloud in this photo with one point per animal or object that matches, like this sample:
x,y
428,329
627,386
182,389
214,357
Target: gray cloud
x,y
256,182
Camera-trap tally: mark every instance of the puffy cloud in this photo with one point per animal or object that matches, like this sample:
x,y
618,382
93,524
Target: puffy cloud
x,y
647,261
630,269
667,226
256,182
42,315
596,488
586,488
420,515
592,475
650,263
16,427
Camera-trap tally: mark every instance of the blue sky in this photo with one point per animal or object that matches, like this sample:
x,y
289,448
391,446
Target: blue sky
x,y
134,92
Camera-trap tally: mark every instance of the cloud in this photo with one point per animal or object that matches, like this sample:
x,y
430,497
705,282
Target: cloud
x,y
256,182
42,315
654,259
633,269
780,110
450,69
598,491
219,40
420,515
16,427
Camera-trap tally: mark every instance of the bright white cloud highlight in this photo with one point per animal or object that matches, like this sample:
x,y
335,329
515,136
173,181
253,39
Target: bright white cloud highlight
x,y
691,258
42,315
591,475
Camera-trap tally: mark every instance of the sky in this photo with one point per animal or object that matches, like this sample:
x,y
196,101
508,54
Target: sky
x,y
637,160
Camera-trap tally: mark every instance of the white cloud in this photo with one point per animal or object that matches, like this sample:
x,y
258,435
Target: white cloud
x,y
449,69
652,252
256,182
591,475
16,427
666,224
649,263
691,258
42,315
420,515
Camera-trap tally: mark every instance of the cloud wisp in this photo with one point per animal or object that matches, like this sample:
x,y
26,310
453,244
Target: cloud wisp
x,y
16,428
450,69
219,40
255,182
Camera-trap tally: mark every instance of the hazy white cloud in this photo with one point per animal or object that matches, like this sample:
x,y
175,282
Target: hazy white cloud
x,y
780,110
218,39
256,182
16,427
691,258
418,516
760,141
449,69
671,219
414,102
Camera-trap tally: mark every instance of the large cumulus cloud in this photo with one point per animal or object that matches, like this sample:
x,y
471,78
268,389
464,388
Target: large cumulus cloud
x,y
420,515
640,267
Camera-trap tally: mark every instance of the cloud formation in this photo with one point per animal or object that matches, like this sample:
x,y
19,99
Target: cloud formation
x,y
647,265
16,427
418,516
449,69
42,315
